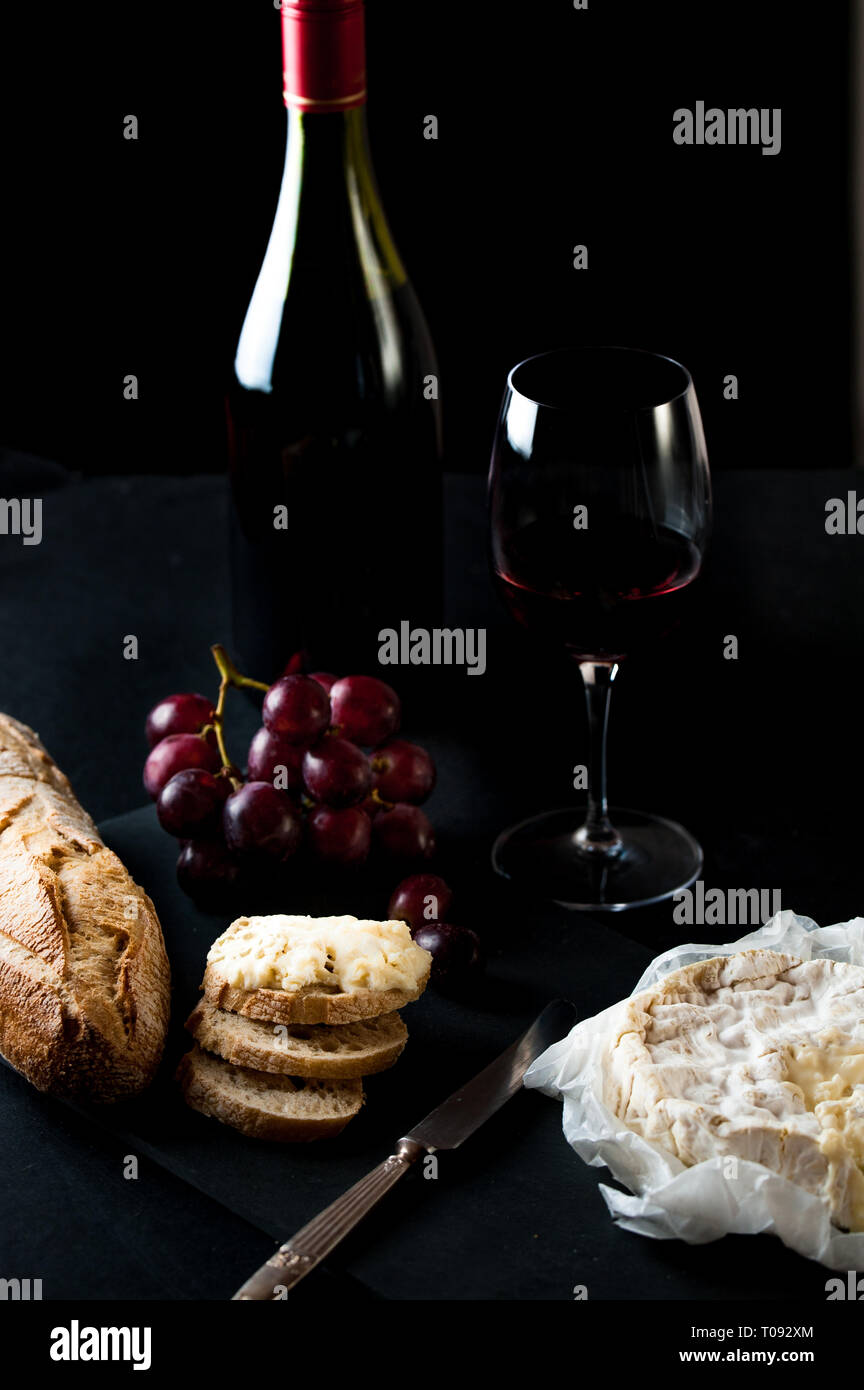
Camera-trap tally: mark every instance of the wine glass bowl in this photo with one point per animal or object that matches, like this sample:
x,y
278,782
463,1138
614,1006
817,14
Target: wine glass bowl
x,y
600,510
590,429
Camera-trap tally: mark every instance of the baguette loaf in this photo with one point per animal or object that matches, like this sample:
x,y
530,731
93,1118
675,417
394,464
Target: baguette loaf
x,y
266,1106
294,1049
84,978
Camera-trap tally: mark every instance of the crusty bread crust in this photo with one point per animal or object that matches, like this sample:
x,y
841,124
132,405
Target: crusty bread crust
x,y
84,978
311,1004
262,1105
327,1050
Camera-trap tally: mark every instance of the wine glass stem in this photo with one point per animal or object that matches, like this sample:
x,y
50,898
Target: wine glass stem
x,y
598,837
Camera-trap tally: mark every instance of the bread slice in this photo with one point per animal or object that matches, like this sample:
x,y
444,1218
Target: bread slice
x,y
310,1004
265,1106
298,1049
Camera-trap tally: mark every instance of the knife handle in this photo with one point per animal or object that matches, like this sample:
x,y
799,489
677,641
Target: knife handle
x,y
293,1260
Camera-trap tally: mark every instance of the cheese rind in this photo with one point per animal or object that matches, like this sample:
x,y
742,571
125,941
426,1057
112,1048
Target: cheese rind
x,y
285,952
758,1056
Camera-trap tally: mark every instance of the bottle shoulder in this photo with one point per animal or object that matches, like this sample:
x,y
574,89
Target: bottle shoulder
x,y
332,295
348,325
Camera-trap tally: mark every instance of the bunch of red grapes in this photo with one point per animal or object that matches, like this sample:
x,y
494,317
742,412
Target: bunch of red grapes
x,y
325,771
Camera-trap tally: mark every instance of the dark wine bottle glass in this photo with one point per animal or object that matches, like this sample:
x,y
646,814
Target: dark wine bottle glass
x,y
334,427
600,510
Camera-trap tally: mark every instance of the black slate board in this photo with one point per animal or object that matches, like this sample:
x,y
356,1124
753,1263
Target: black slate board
x,y
514,1214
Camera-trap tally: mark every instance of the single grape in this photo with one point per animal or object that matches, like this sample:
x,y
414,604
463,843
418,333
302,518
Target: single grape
x,y
294,665
404,832
366,710
206,871
336,772
420,899
261,821
457,957
297,708
339,836
190,804
267,752
175,754
178,714
402,771
324,679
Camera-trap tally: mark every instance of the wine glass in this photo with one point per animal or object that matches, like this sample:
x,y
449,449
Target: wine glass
x,y
600,509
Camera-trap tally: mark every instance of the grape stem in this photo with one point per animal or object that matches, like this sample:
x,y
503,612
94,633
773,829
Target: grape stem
x,y
229,676
229,673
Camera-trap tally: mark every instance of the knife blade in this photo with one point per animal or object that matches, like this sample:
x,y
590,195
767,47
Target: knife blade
x,y
455,1120
445,1127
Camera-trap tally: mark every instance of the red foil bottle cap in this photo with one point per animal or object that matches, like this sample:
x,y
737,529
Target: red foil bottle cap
x,y
324,53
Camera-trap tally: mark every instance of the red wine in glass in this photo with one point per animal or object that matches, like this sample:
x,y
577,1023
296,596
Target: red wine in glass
x,y
601,593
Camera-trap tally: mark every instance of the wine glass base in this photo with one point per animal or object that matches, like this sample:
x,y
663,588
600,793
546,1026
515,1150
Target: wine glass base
x,y
658,859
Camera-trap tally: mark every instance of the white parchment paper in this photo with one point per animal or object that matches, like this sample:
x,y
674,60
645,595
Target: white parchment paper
x,y
710,1199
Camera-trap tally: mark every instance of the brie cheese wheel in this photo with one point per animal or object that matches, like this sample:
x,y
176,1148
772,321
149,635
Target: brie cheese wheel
x,y
757,1056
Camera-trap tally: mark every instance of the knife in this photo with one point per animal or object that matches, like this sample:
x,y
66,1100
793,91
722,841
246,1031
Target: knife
x,y
445,1128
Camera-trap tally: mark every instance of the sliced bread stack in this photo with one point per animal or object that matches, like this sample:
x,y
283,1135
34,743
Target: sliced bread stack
x,y
286,1062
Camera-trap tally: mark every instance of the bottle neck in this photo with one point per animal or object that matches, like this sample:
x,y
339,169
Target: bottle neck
x,y
330,195
326,163
329,144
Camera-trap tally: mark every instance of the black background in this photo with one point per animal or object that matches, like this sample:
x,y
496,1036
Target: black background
x,y
555,129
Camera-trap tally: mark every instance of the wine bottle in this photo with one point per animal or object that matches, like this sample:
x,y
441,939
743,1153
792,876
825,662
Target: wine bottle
x,y
334,432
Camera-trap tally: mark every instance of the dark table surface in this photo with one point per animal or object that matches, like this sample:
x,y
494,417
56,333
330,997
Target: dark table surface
x,y
758,756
